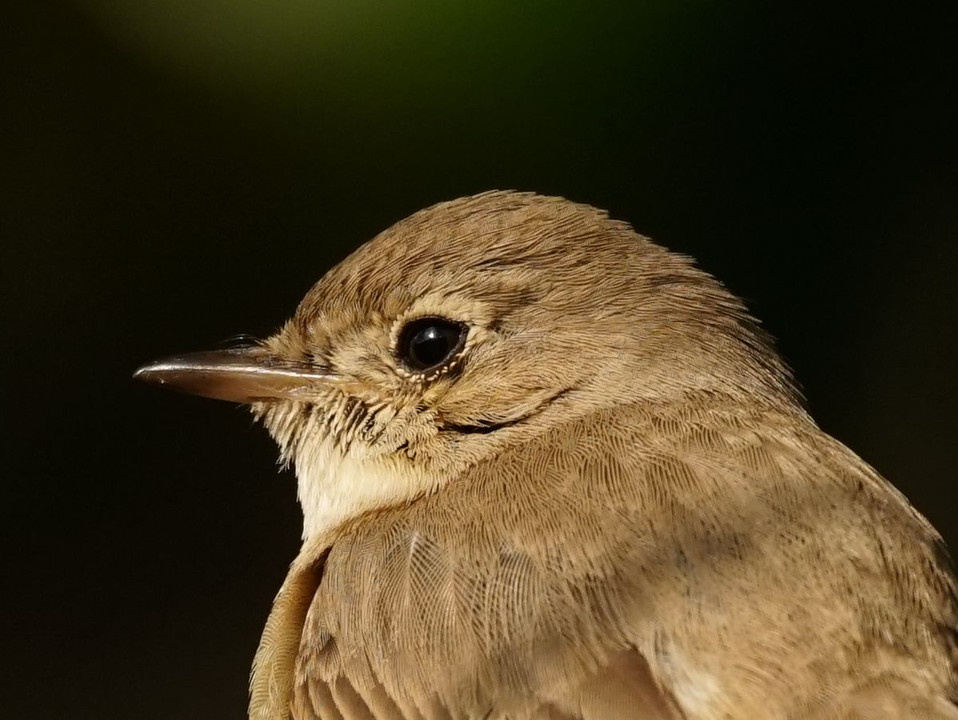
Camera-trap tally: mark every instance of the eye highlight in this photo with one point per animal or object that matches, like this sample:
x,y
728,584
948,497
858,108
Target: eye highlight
x,y
430,342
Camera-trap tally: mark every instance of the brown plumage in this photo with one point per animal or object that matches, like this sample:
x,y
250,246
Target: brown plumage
x,y
604,502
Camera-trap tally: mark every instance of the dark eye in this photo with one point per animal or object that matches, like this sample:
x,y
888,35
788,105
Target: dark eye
x,y
429,342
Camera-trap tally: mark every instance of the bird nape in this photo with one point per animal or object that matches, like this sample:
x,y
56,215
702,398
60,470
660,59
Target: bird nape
x,y
549,469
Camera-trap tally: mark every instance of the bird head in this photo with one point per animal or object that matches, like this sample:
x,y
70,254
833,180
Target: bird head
x,y
470,327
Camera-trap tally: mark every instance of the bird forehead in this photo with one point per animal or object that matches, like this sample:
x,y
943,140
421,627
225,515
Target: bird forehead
x,y
378,304
476,235
476,259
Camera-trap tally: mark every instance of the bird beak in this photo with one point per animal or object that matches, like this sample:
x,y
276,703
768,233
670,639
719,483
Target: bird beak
x,y
240,375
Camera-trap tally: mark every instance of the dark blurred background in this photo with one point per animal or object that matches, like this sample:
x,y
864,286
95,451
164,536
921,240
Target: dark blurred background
x,y
173,173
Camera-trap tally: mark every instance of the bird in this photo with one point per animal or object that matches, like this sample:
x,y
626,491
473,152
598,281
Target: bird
x,y
552,470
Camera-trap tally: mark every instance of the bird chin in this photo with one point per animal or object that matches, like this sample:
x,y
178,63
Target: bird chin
x,y
339,475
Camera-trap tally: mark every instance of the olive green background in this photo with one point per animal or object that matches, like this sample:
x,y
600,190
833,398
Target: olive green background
x,y
173,173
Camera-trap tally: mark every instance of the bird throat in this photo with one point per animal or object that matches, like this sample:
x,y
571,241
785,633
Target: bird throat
x,y
343,470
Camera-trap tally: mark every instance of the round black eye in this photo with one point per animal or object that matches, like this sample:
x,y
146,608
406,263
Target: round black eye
x,y
427,343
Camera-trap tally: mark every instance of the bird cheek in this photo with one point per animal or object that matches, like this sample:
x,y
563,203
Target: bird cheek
x,y
433,394
488,404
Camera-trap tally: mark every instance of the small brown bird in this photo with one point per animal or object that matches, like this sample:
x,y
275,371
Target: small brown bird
x,y
551,470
